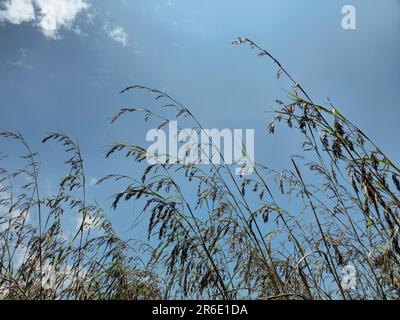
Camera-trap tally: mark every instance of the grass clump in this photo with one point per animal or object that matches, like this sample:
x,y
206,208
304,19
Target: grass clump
x,y
235,237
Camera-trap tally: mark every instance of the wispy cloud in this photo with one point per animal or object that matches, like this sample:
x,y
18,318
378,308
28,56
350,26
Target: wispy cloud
x,y
21,61
117,33
50,16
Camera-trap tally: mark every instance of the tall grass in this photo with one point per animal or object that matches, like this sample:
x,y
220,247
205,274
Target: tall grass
x,y
212,234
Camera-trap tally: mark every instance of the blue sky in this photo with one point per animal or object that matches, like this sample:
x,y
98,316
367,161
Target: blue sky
x,y
63,62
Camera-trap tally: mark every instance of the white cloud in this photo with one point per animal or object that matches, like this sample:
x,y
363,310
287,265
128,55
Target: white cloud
x,y
20,255
59,278
57,14
49,15
21,61
17,11
117,33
